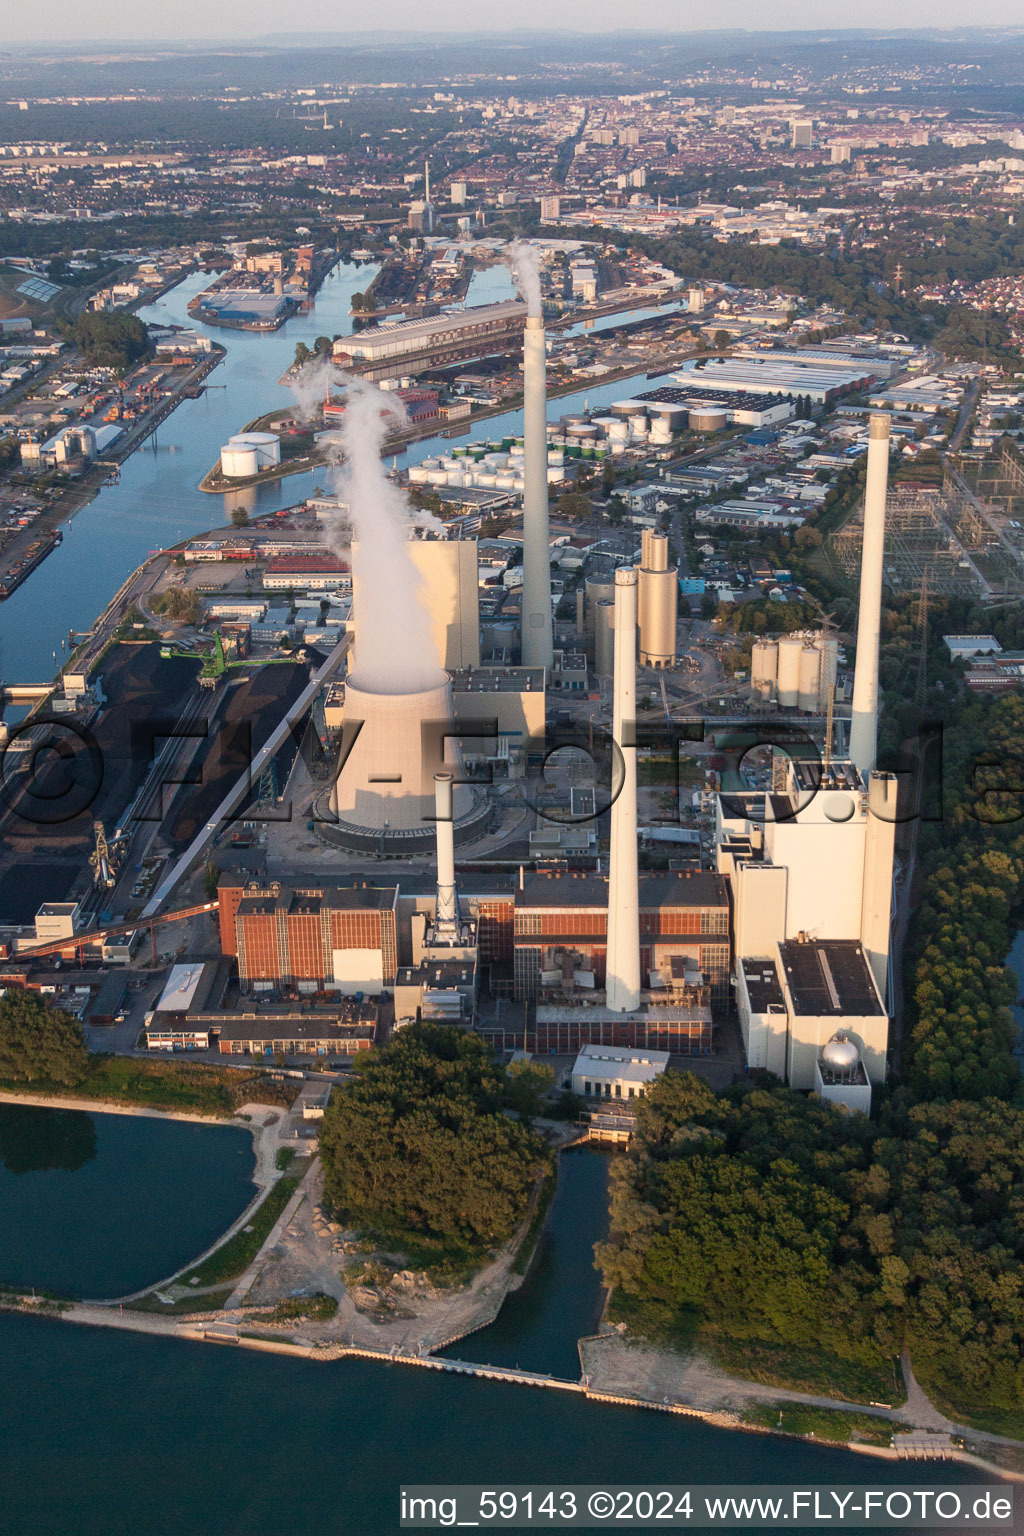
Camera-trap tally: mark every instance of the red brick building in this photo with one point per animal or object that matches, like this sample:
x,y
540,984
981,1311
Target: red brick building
x,y
312,938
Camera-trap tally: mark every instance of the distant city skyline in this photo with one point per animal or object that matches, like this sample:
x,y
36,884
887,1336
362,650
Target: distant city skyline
x,y
118,21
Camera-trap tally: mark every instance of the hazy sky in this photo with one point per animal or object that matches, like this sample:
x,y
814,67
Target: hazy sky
x,y
246,20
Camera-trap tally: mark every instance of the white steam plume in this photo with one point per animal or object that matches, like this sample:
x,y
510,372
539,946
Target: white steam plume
x,y
395,647
524,260
311,386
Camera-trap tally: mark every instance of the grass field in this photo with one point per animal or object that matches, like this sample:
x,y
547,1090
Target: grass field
x,y
187,1087
821,1423
234,1258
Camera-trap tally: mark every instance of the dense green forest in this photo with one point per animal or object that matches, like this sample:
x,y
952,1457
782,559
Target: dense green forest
x,y
418,1147
110,340
39,1042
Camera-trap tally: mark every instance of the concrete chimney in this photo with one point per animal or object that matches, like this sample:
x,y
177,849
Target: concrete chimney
x,y
864,719
447,923
537,643
623,962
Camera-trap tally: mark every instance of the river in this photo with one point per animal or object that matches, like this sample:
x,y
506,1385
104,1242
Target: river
x,y
157,500
130,1199
104,1433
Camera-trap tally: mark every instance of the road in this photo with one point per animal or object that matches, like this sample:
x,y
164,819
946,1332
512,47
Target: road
x,y
966,412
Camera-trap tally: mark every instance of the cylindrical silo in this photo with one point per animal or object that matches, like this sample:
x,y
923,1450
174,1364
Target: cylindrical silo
x,y
810,666
757,681
657,601
602,615
791,649
600,589
770,665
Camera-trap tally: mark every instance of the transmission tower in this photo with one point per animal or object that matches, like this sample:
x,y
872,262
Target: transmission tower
x,y
921,690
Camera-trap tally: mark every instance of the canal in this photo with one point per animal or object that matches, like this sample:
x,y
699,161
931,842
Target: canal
x,y
157,501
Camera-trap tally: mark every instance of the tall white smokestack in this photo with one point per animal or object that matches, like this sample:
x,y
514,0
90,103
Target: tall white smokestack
x,y
447,924
536,632
864,720
623,963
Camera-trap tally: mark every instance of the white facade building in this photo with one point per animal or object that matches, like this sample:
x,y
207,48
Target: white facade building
x,y
614,1072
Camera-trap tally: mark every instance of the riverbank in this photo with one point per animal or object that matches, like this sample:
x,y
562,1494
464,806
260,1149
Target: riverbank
x,y
214,483
58,516
303,1254
1004,1459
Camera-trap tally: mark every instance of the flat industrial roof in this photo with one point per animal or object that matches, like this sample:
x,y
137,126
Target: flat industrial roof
x,y
336,898
688,888
762,984
829,977
182,985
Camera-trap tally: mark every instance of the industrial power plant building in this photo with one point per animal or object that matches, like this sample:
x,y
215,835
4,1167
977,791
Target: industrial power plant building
x,y
483,325
780,373
315,938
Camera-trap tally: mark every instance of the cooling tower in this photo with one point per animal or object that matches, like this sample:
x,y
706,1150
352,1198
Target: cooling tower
x,y
537,643
622,985
657,602
864,715
386,781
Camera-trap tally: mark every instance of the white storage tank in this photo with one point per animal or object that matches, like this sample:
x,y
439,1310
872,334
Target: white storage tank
x,y
810,665
661,431
265,445
237,461
556,474
708,418
618,429
418,474
791,649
